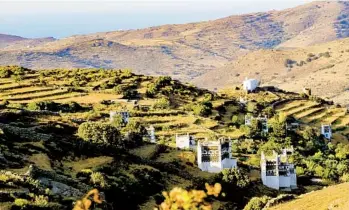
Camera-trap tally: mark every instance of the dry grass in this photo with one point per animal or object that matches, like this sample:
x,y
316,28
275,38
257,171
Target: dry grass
x,y
333,197
77,166
42,161
91,98
144,151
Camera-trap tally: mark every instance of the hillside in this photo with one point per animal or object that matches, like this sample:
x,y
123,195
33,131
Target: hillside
x,y
18,43
186,51
50,157
334,197
314,67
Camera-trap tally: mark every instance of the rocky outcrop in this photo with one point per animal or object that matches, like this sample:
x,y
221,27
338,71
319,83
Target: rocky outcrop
x,y
24,133
58,184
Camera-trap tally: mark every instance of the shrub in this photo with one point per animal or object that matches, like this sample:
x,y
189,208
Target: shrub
x,y
162,103
311,55
119,89
235,119
289,63
118,121
41,201
257,203
43,105
129,94
279,199
252,107
100,133
151,91
21,202
235,177
162,81
345,177
98,179
5,73
179,198
203,108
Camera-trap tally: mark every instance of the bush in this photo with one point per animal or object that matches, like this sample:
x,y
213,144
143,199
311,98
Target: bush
x,y
235,177
235,119
98,179
151,91
162,81
257,203
21,202
279,199
100,133
162,103
119,89
252,107
202,109
43,105
129,94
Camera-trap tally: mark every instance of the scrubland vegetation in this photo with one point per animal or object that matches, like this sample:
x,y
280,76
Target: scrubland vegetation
x,y
57,142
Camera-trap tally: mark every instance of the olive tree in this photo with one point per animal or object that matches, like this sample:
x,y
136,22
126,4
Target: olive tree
x,y
100,133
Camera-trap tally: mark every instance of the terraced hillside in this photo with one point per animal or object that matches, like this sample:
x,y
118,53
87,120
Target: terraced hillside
x,y
315,114
57,141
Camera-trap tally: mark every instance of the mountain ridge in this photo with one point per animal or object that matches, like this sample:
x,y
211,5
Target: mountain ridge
x,y
187,51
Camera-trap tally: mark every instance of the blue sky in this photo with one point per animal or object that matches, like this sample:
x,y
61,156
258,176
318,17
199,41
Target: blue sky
x,y
44,18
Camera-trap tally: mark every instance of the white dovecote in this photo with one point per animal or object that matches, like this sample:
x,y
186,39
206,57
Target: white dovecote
x,y
214,156
185,141
124,115
326,131
277,172
151,134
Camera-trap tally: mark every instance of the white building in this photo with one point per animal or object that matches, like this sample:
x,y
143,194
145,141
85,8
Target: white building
x,y
277,173
214,156
326,131
151,134
250,84
124,114
185,141
262,122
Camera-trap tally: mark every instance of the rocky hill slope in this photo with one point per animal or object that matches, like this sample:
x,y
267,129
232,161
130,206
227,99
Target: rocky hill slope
x,y
187,51
322,67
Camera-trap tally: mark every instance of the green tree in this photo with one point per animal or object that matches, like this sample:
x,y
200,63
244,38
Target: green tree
x,y
252,107
118,121
342,151
100,133
162,103
257,203
202,109
278,125
235,177
235,119
151,91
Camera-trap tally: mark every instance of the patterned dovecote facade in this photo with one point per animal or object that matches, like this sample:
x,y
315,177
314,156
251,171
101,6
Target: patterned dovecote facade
x,y
214,156
277,172
124,114
151,134
326,131
185,141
